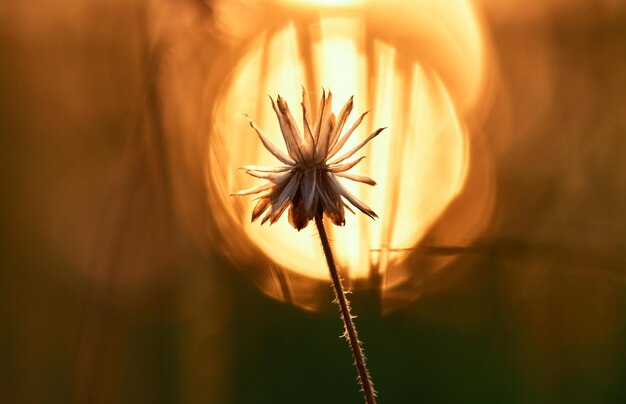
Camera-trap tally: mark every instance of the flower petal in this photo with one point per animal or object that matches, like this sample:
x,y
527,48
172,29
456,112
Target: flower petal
x,y
318,120
321,150
284,199
309,142
352,199
288,128
324,129
345,137
284,108
357,178
341,121
337,168
297,213
254,190
306,105
275,214
276,178
261,206
337,215
307,189
269,146
331,201
357,147
261,169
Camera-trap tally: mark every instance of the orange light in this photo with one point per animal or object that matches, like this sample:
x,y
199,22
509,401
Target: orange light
x,y
420,162
326,3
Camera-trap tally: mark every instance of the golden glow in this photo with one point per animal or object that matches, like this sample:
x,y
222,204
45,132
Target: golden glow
x,y
417,66
327,3
419,162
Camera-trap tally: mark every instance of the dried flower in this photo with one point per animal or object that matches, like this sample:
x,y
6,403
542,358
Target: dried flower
x,y
307,183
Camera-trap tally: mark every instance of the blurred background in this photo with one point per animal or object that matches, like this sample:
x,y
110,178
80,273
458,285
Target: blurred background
x,y
119,282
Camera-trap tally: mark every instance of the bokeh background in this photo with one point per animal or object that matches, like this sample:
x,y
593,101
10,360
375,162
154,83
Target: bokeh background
x,y
113,285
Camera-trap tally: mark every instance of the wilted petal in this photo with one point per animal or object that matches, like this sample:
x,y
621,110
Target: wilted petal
x,y
261,169
346,136
254,190
276,178
270,147
357,147
284,198
307,189
325,134
297,213
309,142
284,108
352,199
337,168
306,105
290,132
325,127
276,212
341,121
331,201
336,215
323,191
321,110
261,206
357,178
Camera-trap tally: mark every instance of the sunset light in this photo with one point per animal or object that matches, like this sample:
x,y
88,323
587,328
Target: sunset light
x,y
420,162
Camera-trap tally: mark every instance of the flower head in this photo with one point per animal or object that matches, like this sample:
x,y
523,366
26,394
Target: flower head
x,y
307,183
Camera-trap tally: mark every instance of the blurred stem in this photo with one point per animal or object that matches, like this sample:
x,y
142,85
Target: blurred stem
x,y
344,306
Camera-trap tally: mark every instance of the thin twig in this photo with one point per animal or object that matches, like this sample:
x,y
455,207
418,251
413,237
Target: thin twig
x,y
344,305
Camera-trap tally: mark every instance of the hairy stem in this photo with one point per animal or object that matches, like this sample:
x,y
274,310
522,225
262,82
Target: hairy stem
x,y
344,306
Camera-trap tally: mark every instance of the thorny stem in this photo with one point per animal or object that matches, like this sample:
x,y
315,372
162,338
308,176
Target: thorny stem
x,y
344,305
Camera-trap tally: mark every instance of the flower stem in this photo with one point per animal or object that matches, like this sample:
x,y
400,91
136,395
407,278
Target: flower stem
x,y
344,306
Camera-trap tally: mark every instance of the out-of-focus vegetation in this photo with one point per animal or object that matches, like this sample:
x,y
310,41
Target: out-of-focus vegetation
x,y
113,290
